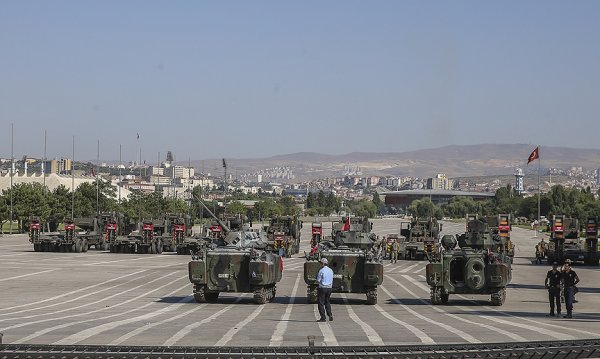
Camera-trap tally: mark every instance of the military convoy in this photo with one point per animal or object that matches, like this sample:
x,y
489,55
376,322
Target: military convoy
x,y
480,264
418,238
240,261
351,254
564,240
284,233
592,247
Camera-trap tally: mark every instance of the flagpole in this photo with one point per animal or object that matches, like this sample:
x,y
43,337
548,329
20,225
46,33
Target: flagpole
x,y
539,187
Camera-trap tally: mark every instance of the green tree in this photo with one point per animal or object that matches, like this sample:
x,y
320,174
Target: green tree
x,y
236,208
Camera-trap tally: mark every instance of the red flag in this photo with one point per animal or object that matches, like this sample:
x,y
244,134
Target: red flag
x,y
346,226
534,155
281,264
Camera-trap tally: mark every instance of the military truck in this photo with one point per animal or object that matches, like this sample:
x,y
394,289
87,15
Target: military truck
x,y
352,255
592,247
476,266
564,240
284,233
63,241
420,238
317,234
97,230
240,261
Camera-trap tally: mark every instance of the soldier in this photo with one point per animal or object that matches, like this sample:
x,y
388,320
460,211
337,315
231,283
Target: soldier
x,y
384,247
395,249
325,279
552,283
570,280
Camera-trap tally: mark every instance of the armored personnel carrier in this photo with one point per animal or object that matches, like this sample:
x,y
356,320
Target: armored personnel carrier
x,y
284,233
351,254
240,261
476,266
420,238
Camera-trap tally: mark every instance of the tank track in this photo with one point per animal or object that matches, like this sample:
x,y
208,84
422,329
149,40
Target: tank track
x,y
563,349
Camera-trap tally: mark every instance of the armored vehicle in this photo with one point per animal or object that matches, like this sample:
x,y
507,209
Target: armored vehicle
x,y
592,248
420,238
352,255
239,261
284,233
97,231
476,266
564,240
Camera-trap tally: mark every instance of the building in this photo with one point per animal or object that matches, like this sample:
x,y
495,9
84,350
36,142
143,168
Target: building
x,y
179,172
440,181
519,188
63,165
403,199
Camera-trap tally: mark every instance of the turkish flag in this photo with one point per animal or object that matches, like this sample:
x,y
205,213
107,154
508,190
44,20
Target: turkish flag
x,y
534,155
346,226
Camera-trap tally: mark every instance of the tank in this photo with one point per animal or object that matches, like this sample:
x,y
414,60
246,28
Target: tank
x,y
420,238
239,261
352,255
472,263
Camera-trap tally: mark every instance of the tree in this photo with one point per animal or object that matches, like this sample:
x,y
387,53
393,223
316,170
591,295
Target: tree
x,y
289,206
236,208
28,199
422,208
310,200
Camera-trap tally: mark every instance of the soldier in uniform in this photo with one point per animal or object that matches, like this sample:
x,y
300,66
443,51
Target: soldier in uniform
x,y
570,280
395,248
552,283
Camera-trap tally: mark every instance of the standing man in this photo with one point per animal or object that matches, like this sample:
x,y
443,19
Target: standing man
x,y
570,280
325,279
395,249
552,283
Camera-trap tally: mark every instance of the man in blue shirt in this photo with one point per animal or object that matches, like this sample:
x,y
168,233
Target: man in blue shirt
x,y
325,279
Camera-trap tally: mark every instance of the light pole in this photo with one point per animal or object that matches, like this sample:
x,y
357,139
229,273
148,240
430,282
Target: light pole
x,y
12,166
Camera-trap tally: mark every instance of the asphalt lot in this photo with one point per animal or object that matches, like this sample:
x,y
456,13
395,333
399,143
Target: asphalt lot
x,y
108,298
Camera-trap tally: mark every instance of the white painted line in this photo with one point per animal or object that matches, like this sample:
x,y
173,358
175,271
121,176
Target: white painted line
x,y
239,326
409,268
128,260
328,336
188,328
280,329
372,335
420,271
66,294
142,329
90,332
14,254
425,339
48,330
69,308
449,328
28,275
453,316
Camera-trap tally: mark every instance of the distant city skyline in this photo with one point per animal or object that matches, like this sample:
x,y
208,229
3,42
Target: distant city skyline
x,y
256,79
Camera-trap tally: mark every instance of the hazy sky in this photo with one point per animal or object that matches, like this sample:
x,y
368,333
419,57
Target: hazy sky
x,y
259,78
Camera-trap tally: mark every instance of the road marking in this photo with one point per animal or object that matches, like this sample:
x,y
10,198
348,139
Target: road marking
x,y
439,310
280,329
48,330
425,339
127,260
420,271
372,335
460,333
66,294
329,338
14,254
140,330
69,309
98,329
188,328
409,268
28,275
235,329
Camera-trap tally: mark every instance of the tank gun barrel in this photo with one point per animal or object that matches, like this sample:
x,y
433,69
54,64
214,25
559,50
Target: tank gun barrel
x,y
223,225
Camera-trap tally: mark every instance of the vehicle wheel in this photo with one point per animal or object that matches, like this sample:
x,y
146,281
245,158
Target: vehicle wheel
x,y
273,294
36,248
445,297
159,247
372,296
173,248
103,246
211,297
436,295
260,295
85,246
498,297
77,245
199,296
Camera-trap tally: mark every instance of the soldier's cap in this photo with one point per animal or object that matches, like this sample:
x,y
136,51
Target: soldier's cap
x,y
324,260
